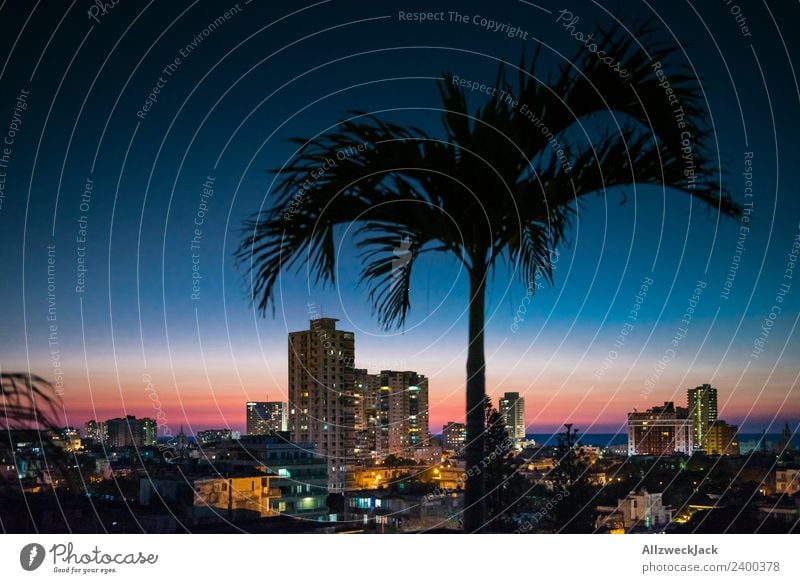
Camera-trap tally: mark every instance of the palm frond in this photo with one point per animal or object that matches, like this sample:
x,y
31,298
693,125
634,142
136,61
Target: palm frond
x,y
505,181
27,402
331,181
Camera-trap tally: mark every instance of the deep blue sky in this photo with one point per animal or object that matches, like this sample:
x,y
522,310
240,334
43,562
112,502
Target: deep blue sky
x,y
227,112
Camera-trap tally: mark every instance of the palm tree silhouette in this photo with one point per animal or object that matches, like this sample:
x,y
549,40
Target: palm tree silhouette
x,y
27,401
502,184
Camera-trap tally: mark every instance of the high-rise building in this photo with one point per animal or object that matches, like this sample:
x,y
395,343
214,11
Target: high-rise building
x,y
129,431
660,431
367,400
454,436
403,413
722,439
512,409
322,396
96,430
149,432
117,432
265,417
702,402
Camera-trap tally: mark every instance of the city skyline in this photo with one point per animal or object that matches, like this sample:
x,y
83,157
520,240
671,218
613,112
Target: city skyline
x,y
322,329
597,337
347,267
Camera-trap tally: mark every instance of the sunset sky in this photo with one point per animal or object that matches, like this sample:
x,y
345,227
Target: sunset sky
x,y
226,112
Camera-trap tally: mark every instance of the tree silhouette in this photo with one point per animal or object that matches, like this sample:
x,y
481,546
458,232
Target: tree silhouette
x,y
505,486
27,402
501,183
570,513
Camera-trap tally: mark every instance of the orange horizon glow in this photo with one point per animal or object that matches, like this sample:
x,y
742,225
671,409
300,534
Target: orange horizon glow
x,y
197,404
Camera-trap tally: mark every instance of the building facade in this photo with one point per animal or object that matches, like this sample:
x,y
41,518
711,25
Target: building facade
x,y
403,413
265,417
454,437
298,476
702,403
96,430
366,403
211,497
722,439
661,430
213,435
322,401
149,431
129,431
68,438
787,481
637,512
512,409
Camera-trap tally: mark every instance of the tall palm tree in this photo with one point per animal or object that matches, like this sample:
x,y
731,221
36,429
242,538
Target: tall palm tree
x,y
501,183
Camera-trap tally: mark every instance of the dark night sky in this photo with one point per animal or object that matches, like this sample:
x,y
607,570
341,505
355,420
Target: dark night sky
x,y
278,70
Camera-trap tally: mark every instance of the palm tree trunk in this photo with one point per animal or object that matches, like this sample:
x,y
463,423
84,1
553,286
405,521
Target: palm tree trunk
x,y
474,496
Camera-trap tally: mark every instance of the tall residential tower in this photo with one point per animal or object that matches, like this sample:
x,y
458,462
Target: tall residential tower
x,y
702,403
402,413
266,417
512,409
322,400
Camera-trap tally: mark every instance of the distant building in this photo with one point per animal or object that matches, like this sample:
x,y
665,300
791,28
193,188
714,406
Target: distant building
x,y
454,436
68,438
660,431
129,431
787,481
395,511
451,475
232,498
512,409
298,476
431,453
265,417
96,431
212,435
636,512
404,413
702,403
322,396
378,477
149,432
786,439
181,440
722,439
211,497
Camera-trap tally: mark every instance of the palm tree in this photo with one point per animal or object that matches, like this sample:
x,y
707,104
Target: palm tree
x,y
27,401
502,183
